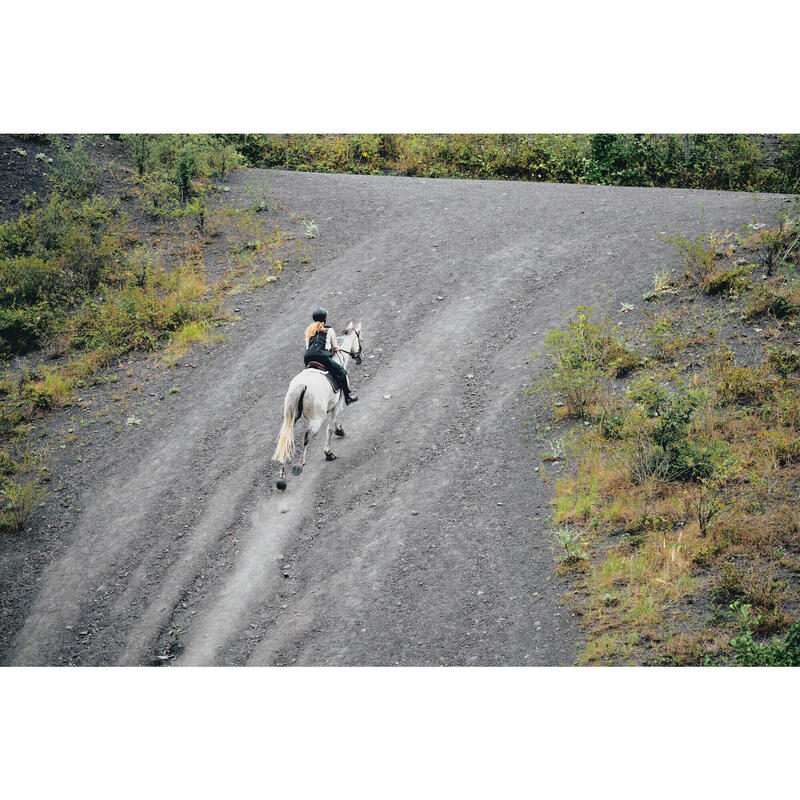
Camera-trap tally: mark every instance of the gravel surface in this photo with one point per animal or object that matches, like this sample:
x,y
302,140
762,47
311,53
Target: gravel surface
x,y
427,541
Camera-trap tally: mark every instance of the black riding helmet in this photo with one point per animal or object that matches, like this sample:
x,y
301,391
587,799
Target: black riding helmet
x,y
320,315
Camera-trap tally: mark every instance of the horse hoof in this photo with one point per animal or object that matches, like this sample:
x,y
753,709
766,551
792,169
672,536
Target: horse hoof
x,y
330,457
339,431
281,484
297,470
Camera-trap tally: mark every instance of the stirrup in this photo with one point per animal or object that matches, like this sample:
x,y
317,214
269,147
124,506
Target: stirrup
x,y
351,399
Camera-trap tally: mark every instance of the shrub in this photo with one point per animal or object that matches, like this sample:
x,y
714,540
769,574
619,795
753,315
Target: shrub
x,y
774,245
784,362
670,411
698,254
730,281
777,653
185,170
72,173
17,501
572,545
756,586
139,317
25,328
737,384
779,302
661,336
583,356
660,445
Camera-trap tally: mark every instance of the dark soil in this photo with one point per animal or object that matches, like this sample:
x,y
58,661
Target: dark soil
x,y
427,542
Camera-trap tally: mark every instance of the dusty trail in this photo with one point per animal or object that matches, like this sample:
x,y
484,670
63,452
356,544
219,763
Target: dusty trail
x,y
426,542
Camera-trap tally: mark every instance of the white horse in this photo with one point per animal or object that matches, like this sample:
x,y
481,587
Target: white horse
x,y
311,396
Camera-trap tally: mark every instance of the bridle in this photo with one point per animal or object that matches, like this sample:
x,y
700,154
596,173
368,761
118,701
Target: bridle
x,y
357,355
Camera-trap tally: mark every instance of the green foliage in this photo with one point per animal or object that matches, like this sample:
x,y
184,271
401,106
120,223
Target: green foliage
x,y
259,199
661,445
49,259
140,317
174,168
140,149
571,543
737,384
670,411
784,362
730,281
777,653
661,335
716,161
698,254
777,302
583,356
186,169
17,501
72,173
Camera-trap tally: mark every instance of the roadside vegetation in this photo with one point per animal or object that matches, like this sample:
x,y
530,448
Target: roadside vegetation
x,y
703,161
84,282
677,516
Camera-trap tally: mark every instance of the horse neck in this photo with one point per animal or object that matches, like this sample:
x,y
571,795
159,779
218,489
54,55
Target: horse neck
x,y
346,343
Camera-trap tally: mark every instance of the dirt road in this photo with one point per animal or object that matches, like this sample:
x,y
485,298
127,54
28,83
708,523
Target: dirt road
x,y
427,541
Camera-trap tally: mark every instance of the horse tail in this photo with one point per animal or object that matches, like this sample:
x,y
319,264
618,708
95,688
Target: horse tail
x,y
292,411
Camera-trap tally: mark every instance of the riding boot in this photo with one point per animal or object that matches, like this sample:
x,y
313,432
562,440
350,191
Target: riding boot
x,y
349,397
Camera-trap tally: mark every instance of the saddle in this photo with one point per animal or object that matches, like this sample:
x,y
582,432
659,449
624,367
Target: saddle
x,y
316,365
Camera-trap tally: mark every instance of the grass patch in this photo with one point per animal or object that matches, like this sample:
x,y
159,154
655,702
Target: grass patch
x,y
680,484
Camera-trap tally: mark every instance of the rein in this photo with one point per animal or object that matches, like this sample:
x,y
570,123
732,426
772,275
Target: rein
x,y
352,354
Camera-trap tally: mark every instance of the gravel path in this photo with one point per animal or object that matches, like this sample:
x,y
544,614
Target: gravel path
x,y
426,542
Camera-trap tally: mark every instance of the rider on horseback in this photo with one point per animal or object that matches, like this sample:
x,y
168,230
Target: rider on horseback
x,y
321,344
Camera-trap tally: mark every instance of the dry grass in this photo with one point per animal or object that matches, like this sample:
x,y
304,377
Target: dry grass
x,y
664,552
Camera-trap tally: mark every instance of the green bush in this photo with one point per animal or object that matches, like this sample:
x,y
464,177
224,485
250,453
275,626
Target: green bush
x,y
50,258
670,411
25,328
777,653
17,501
717,161
778,302
139,317
72,173
730,282
661,445
783,361
698,254
582,357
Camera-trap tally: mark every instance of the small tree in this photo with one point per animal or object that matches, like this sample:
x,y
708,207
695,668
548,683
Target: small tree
x,y
185,171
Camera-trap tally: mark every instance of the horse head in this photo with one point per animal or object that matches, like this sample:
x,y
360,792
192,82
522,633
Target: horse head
x,y
351,341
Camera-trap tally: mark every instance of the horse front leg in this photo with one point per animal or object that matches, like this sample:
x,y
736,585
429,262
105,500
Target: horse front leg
x,y
329,456
333,427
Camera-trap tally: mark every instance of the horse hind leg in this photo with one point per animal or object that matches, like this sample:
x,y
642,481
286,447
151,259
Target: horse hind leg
x,y
311,431
298,468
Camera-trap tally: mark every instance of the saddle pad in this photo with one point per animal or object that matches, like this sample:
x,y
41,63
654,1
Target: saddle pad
x,y
319,368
